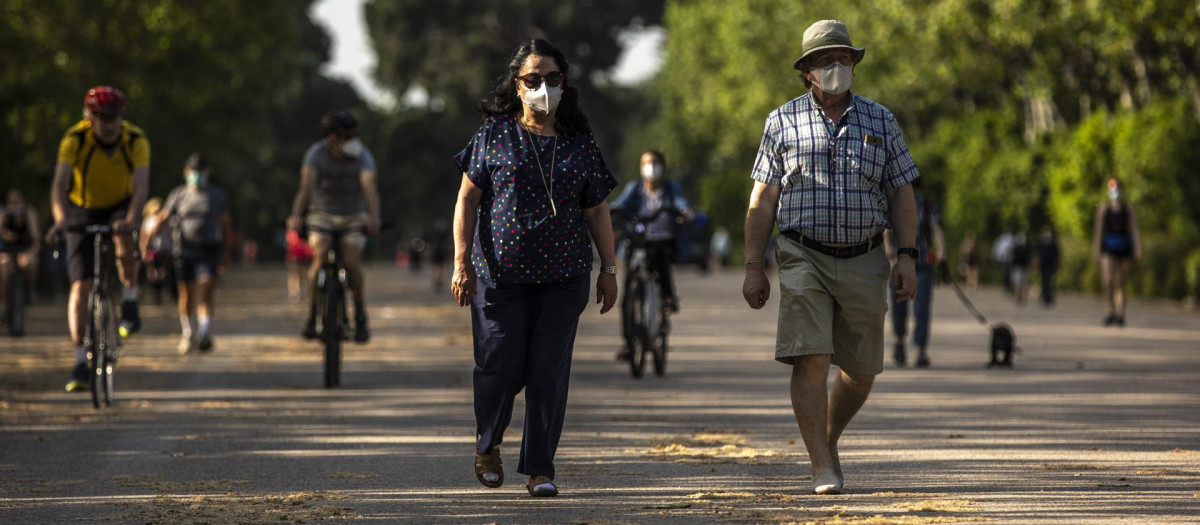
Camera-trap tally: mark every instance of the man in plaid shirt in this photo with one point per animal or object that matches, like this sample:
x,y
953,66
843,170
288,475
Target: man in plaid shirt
x,y
834,172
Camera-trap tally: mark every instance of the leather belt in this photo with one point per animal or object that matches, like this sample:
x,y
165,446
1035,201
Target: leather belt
x,y
840,252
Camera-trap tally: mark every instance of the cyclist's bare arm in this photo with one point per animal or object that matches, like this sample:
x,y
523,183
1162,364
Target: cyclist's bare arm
x,y
308,177
371,193
161,219
141,191
58,196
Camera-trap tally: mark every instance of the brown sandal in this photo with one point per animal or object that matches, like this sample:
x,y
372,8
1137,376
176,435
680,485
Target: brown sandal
x,y
485,463
541,487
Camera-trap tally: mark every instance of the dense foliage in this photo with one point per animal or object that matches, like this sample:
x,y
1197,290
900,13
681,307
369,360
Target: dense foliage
x,y
238,83
1015,111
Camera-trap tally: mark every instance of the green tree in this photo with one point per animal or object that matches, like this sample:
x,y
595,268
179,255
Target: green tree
x,y
1013,110
452,51
237,82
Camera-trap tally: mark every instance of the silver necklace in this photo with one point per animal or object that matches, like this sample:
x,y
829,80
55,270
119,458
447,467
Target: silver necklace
x,y
547,185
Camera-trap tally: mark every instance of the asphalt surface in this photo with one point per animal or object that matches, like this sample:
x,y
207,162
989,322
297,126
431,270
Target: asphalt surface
x,y
1094,425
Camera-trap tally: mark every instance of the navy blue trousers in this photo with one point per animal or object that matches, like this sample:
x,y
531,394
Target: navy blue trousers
x,y
921,308
524,337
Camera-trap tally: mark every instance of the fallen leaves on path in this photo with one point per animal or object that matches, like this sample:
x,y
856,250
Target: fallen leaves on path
x,y
708,447
1073,466
936,505
299,507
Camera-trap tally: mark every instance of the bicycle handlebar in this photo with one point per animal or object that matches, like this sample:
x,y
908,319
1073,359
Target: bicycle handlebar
x,y
98,229
637,218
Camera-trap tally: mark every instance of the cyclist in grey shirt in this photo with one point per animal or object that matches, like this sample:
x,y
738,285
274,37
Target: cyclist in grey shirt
x,y
338,193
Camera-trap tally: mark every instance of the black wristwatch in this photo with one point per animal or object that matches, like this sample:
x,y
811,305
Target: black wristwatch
x,y
911,252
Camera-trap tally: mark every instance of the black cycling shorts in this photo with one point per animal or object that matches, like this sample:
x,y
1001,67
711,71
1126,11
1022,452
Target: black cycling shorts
x,y
196,260
79,245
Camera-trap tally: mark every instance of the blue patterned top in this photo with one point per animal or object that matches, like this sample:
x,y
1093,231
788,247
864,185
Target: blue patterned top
x,y
833,176
518,238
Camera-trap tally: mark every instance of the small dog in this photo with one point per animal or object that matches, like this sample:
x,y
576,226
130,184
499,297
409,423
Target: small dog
x,y
1003,345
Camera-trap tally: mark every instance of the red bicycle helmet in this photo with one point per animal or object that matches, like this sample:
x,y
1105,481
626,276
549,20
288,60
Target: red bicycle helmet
x,y
104,100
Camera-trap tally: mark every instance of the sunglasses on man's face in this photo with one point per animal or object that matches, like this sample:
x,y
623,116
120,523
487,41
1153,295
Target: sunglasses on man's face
x,y
534,80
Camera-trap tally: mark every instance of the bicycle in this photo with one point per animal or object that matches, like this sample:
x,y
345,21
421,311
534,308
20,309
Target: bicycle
x,y
644,319
100,335
333,327
17,296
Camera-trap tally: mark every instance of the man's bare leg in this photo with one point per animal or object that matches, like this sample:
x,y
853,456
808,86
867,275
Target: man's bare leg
x,y
811,407
850,391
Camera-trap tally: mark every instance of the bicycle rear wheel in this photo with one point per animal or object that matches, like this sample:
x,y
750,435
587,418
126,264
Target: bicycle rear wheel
x,y
660,354
636,336
331,331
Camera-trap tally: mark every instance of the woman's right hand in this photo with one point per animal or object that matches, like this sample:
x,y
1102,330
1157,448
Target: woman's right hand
x,y
463,283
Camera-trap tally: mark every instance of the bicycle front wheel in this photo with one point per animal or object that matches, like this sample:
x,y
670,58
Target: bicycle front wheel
x,y
656,327
636,336
97,339
331,331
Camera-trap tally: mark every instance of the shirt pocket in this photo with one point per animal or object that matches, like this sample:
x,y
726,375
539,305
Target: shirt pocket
x,y
868,160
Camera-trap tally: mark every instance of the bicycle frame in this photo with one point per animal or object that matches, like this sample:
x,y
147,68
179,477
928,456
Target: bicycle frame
x,y
100,333
644,318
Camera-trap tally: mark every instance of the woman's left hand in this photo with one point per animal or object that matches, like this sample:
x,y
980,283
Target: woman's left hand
x,y
606,291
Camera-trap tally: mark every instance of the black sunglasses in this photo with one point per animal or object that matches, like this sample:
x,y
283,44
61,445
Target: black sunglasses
x,y
533,80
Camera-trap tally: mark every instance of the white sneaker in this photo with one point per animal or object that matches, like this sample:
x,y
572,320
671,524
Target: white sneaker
x,y
186,345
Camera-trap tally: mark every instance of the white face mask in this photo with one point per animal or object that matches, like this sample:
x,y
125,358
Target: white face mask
x,y
352,148
543,99
652,172
834,79
1114,194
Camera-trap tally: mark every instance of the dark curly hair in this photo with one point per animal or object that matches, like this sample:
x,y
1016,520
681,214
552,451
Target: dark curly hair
x,y
502,98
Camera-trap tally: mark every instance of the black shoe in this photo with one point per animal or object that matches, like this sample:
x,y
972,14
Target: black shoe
x,y
80,378
310,330
362,334
205,344
1119,321
898,354
922,361
1108,321
131,322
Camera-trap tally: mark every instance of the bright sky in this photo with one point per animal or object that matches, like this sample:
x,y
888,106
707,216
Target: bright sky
x,y
353,59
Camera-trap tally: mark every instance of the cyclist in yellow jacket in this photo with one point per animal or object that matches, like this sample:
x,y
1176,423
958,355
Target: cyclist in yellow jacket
x,y
102,177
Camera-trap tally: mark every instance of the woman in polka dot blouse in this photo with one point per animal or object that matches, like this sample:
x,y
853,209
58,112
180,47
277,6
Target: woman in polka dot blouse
x,y
530,207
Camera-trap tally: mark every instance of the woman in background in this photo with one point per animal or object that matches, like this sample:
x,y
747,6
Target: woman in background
x,y
1116,242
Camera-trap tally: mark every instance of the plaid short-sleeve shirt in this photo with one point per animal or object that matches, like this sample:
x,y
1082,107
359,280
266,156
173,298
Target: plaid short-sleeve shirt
x,y
833,176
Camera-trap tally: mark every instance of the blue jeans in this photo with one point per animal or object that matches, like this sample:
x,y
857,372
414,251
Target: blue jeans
x,y
921,309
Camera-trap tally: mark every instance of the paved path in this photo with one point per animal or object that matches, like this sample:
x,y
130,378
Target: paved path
x,y
1094,425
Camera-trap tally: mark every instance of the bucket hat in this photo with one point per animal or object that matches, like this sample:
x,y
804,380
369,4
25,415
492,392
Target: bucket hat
x,y
827,34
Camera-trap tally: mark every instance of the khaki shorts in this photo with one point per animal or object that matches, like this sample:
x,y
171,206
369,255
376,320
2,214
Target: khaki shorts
x,y
832,306
351,227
